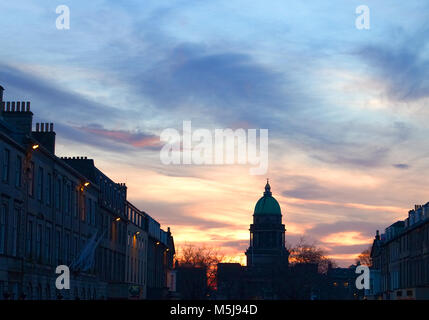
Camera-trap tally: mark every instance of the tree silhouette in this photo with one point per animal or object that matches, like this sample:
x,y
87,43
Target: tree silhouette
x,y
305,252
364,257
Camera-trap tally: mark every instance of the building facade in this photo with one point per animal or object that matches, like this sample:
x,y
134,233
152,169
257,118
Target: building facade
x,y
65,211
400,259
136,263
107,212
160,255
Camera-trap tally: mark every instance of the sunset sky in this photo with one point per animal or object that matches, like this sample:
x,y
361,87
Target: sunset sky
x,y
346,109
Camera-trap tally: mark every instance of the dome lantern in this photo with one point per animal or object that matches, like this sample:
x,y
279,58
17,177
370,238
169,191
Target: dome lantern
x,y
267,189
267,205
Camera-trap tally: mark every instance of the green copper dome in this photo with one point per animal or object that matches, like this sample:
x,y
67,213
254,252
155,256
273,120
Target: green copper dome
x,y
267,204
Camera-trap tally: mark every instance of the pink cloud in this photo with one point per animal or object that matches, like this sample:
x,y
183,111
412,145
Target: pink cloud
x,y
137,140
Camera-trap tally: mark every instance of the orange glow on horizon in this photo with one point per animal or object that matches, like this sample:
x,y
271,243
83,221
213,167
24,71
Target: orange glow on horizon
x,y
214,206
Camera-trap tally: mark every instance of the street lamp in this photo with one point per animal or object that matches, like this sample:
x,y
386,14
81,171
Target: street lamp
x,y
85,184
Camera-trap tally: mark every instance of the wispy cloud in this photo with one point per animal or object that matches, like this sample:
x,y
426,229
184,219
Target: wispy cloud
x,y
135,139
126,70
402,66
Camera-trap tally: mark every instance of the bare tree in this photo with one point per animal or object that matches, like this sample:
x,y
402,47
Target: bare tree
x,y
365,257
306,252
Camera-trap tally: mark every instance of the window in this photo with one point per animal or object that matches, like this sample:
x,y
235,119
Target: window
x,y
83,208
74,247
76,203
40,184
6,159
88,210
39,242
18,170
14,236
48,245
66,247
58,194
31,180
3,214
106,226
82,242
93,212
112,231
29,238
68,198
58,246
49,190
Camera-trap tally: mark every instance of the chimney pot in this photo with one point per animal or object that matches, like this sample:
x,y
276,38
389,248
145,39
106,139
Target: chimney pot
x,y
28,106
42,127
51,127
37,127
13,106
8,106
18,106
22,106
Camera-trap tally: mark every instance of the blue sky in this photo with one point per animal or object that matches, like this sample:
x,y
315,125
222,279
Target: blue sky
x,y
346,108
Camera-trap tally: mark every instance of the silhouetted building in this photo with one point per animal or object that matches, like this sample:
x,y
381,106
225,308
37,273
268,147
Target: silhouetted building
x,y
136,256
53,209
268,274
191,282
400,258
267,270
107,212
341,284
45,218
231,282
160,259
267,235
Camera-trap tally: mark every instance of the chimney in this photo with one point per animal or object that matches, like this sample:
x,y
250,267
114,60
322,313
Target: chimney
x,y
45,135
1,95
18,115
